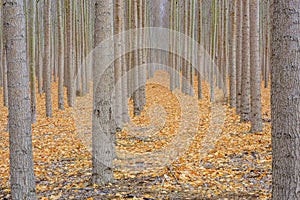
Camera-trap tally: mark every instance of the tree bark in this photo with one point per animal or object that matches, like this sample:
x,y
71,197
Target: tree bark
x,y
20,136
245,101
233,55
60,57
47,56
285,100
32,5
256,118
239,40
103,107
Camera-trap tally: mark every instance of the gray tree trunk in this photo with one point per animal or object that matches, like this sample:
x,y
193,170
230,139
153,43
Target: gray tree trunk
x,y
40,50
245,101
118,48
256,118
239,24
103,107
199,51
135,58
32,6
184,80
285,100
225,49
47,67
60,57
141,52
20,138
70,66
233,55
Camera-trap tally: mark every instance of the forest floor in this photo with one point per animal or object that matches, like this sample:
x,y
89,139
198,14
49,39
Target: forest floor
x,y
179,148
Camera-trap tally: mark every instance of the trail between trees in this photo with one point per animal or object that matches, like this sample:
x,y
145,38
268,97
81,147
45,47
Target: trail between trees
x,y
179,142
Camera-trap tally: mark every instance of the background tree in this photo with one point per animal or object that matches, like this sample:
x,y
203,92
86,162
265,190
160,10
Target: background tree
x,y
47,67
256,118
245,100
232,54
239,39
60,56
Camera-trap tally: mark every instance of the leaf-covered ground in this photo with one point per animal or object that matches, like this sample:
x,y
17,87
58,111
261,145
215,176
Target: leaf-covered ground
x,y
159,154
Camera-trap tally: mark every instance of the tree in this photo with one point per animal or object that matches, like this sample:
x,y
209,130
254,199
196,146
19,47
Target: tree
x,y
118,47
200,40
47,67
233,54
21,158
60,58
69,49
103,107
31,37
239,22
256,118
285,99
245,101
141,58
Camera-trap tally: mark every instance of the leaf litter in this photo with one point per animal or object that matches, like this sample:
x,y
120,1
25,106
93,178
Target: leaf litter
x,y
166,160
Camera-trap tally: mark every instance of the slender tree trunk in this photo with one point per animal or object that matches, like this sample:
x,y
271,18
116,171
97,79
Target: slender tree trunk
x,y
191,47
267,43
256,118
70,43
20,137
285,100
184,80
245,103
47,56
142,64
239,39
118,47
233,55
220,64
31,18
60,57
200,40
225,50
135,60
40,50
213,47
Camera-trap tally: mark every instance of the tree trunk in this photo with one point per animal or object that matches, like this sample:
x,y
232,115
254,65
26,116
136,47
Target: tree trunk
x,y
60,58
142,66
32,46
239,22
199,51
285,100
245,101
213,47
40,51
135,60
118,47
47,56
256,118
233,55
20,136
70,66
103,107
